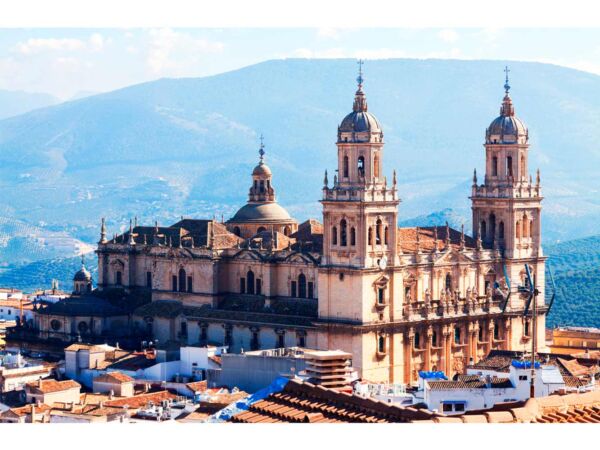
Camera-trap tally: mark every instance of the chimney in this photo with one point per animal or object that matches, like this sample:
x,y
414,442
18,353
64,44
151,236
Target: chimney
x,y
39,383
101,404
32,413
111,394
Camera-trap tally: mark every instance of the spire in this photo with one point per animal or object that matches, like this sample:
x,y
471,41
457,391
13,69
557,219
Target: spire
x,y
360,100
325,180
103,232
507,108
462,236
537,178
394,181
474,177
447,235
82,261
506,85
261,151
479,243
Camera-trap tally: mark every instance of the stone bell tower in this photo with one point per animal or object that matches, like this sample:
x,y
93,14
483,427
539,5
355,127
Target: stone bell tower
x,y
507,211
507,206
360,213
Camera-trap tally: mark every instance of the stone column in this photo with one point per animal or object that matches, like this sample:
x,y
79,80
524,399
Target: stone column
x,y
428,348
409,343
490,335
445,366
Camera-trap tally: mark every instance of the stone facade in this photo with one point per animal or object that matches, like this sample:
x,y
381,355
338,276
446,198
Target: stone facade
x,y
399,299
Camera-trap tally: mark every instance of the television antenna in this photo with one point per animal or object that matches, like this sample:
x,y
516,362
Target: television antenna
x,y
531,289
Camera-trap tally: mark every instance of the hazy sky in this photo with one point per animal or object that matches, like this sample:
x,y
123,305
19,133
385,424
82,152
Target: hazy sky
x,y
69,62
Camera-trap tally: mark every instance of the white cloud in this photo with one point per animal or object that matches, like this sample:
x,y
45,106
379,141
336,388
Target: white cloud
x,y
327,53
37,45
448,35
172,52
328,33
380,53
33,46
97,41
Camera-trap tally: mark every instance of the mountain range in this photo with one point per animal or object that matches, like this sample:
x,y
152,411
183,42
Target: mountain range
x,y
173,147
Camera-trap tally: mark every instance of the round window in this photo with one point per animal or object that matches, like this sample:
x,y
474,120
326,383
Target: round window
x,y
55,324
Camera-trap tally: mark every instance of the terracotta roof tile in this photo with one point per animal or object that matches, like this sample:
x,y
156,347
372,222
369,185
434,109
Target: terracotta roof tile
x,y
49,386
305,402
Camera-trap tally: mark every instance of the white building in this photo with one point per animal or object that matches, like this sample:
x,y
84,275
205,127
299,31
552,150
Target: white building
x,y
16,372
482,389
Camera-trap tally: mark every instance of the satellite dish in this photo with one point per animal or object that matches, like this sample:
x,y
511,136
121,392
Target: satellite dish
x,y
383,263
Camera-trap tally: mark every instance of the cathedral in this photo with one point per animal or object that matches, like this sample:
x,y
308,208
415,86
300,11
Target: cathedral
x,y
400,300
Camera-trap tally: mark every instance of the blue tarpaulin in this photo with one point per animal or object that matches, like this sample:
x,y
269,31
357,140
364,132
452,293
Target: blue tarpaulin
x,y
242,405
525,364
431,375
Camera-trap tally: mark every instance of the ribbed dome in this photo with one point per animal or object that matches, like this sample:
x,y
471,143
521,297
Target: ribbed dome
x,y
82,275
261,212
359,121
262,170
506,128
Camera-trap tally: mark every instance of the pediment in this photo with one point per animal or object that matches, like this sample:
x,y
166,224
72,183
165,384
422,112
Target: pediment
x,y
247,255
298,258
452,257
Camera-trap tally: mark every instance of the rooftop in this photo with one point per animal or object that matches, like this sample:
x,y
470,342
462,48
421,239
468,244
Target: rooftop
x,y
49,386
304,402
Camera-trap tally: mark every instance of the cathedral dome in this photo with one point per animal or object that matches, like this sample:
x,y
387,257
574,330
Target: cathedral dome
x,y
261,212
506,128
360,121
82,275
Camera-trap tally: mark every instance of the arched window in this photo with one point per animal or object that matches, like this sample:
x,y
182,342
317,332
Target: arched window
x,y
448,281
361,166
370,236
483,230
480,334
434,340
353,236
343,233
381,344
496,332
495,166
376,166
518,230
237,231
261,229
525,227
182,280
457,335
302,285
378,232
492,227
509,166
417,340
523,171
262,186
286,231
334,235
501,230
250,282
345,167
531,228
385,236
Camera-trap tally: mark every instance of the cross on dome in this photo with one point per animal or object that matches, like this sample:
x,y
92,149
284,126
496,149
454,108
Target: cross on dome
x,y
360,78
506,85
261,151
